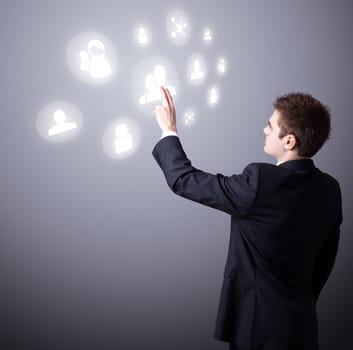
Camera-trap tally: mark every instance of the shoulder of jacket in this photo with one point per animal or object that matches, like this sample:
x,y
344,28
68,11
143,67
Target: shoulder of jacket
x,y
257,166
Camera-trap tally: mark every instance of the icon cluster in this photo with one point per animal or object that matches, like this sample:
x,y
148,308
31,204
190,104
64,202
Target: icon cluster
x,y
92,59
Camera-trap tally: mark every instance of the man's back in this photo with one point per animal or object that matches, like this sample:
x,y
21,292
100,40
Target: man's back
x,y
274,260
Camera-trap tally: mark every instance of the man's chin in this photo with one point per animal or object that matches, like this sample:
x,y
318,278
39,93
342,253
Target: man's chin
x,y
267,152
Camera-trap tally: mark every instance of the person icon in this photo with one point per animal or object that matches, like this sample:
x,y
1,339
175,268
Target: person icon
x,y
221,66
153,83
123,141
180,27
94,61
62,126
197,73
213,96
142,36
207,35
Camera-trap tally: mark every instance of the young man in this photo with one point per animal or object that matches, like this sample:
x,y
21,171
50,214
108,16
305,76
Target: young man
x,y
285,221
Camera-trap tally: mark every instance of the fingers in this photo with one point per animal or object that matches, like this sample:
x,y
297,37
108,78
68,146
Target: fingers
x,y
170,100
164,97
167,98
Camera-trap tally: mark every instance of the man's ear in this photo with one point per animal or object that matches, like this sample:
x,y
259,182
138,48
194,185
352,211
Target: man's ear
x,y
290,142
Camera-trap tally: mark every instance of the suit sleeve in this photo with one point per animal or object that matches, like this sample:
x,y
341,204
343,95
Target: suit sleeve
x,y
234,194
327,256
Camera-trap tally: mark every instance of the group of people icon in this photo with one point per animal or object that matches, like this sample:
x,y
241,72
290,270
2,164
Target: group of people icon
x,y
93,60
153,83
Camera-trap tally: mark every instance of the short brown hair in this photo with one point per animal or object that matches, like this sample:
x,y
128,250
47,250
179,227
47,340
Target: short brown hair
x,y
306,118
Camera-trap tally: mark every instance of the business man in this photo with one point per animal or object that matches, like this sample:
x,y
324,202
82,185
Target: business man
x,y
285,221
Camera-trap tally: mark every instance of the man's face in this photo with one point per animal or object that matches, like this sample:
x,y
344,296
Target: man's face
x,y
274,145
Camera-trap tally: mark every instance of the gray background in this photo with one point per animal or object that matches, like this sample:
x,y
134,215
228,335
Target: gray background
x,y
100,254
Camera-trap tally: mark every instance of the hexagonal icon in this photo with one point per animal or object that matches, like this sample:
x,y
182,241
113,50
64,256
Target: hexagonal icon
x,y
178,27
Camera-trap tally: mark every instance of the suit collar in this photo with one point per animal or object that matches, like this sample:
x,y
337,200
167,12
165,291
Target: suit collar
x,y
300,165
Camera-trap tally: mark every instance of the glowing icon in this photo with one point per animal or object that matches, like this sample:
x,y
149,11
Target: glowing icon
x,y
189,117
121,138
92,58
213,96
197,73
153,83
148,76
123,141
196,69
221,65
142,35
94,61
178,27
62,126
59,121
207,35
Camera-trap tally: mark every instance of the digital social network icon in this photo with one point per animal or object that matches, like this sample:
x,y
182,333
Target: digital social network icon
x,y
61,126
123,139
142,35
59,121
207,35
178,27
213,96
153,82
148,76
92,58
94,61
189,117
196,69
221,65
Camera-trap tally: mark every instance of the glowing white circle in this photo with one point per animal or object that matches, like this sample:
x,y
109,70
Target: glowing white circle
x,y
121,138
149,75
92,58
59,121
178,27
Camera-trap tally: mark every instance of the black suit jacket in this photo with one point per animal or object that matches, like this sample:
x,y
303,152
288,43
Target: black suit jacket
x,y
284,237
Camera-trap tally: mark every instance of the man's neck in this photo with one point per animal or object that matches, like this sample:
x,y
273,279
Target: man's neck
x,y
289,157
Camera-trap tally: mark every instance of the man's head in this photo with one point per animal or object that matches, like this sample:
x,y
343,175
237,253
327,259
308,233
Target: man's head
x,y
298,127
